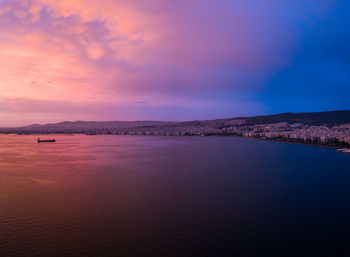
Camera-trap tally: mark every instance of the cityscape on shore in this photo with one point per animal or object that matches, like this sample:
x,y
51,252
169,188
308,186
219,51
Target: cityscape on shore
x,y
322,128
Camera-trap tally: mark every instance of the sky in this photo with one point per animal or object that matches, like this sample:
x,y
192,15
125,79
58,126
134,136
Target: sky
x,y
171,60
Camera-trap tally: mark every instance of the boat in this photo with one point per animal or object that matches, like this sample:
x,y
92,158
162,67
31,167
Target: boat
x,y
46,141
343,150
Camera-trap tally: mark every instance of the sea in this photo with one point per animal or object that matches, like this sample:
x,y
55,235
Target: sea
x,y
108,195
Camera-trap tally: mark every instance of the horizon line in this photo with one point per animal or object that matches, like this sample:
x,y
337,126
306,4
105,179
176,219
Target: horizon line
x,y
163,121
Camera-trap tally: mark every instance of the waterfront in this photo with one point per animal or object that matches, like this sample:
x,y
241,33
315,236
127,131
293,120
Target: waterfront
x,y
319,128
171,196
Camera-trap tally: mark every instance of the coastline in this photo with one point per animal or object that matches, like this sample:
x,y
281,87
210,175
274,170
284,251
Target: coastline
x,y
333,145
330,128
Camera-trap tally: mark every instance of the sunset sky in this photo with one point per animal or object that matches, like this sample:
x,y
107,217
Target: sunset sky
x,y
171,59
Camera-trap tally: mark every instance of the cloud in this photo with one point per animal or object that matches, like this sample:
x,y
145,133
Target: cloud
x,y
318,76
165,53
95,51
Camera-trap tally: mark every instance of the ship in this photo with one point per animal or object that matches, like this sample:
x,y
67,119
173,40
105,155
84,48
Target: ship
x,y
46,141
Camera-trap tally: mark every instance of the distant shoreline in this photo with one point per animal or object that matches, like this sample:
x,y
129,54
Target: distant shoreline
x,y
289,141
319,128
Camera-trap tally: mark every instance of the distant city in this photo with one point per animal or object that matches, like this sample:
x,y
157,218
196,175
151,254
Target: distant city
x,y
321,128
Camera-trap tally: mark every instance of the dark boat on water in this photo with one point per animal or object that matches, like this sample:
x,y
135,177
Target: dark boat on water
x,y
46,141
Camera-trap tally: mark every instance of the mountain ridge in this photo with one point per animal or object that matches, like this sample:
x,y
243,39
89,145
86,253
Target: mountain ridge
x,y
326,118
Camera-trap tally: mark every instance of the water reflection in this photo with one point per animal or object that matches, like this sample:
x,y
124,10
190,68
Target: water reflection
x,y
170,196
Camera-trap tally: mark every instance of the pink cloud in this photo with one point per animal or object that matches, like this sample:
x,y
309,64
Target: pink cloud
x,y
95,51
125,51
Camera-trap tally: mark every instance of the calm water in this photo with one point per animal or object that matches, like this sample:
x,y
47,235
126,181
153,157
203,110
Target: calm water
x,y
171,196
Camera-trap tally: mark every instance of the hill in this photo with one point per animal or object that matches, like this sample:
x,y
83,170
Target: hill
x,y
329,119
